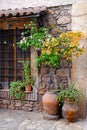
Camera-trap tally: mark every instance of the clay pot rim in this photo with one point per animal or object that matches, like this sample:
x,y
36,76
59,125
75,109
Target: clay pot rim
x,y
52,91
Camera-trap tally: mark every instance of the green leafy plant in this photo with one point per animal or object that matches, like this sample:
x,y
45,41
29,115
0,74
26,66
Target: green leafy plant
x,y
70,93
27,73
17,90
32,36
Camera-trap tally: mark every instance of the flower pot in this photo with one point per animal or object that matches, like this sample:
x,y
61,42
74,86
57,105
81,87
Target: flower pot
x,y
28,88
50,103
70,110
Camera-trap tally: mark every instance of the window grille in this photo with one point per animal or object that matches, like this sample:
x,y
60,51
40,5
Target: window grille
x,y
11,57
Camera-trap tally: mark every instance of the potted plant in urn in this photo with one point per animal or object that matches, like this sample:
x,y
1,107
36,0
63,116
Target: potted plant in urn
x,y
69,98
27,77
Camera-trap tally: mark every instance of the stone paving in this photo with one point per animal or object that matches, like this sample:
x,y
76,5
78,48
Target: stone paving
x,y
21,120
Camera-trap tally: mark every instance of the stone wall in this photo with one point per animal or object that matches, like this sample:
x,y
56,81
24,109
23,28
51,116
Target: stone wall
x,y
32,101
59,19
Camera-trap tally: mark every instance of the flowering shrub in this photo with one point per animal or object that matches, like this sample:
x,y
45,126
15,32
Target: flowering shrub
x,y
52,49
32,36
62,47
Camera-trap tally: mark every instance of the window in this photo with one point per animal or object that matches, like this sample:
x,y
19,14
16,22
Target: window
x,y
11,57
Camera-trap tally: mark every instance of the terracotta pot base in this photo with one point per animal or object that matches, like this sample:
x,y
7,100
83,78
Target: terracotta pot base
x,y
50,117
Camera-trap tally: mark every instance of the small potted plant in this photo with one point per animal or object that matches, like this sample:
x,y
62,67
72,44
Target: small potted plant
x,y
27,77
17,89
69,97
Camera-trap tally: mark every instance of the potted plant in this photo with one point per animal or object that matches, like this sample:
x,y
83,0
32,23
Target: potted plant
x,y
17,89
69,98
27,77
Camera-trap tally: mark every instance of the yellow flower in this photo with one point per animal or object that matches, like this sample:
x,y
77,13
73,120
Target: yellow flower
x,y
62,50
49,47
81,49
75,38
73,44
77,54
69,58
71,50
79,34
70,33
63,43
45,44
48,51
54,41
57,49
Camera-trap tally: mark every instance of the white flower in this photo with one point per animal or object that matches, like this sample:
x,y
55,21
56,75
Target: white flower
x,y
22,33
21,41
23,38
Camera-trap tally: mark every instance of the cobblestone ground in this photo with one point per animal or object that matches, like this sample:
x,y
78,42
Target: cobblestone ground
x,y
21,120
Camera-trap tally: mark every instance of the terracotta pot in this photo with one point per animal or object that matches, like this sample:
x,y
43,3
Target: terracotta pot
x,y
28,88
50,103
70,111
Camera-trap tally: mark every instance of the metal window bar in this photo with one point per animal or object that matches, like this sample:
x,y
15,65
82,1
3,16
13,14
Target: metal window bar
x,y
21,56
7,57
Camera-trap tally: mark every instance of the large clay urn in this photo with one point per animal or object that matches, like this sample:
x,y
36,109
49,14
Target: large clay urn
x,y
50,103
70,111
